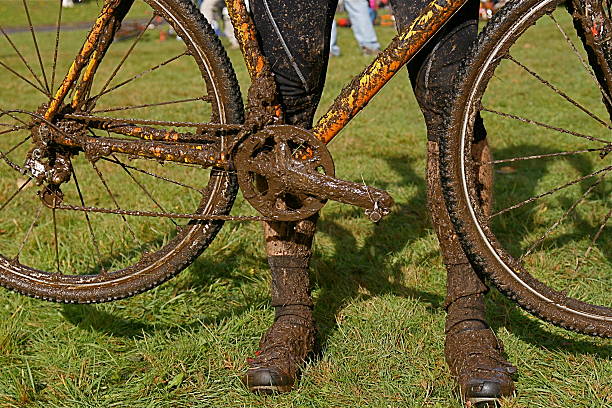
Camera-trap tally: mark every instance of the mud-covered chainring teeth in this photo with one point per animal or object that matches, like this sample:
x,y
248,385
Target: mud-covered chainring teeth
x,y
266,160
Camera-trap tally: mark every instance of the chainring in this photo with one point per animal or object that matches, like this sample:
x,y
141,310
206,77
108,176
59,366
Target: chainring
x,y
264,162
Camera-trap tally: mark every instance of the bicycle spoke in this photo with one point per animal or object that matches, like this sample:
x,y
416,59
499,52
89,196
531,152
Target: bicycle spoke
x,y
554,190
559,92
13,129
544,125
586,67
57,38
28,232
56,252
17,74
21,57
11,115
19,190
137,76
27,10
12,149
112,196
595,238
121,108
563,217
12,165
544,156
143,188
125,57
11,125
94,241
157,176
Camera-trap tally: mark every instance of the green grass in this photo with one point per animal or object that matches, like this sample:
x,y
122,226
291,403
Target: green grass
x,y
45,12
379,289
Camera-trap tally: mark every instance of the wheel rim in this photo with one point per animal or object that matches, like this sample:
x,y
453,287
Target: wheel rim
x,y
92,246
532,254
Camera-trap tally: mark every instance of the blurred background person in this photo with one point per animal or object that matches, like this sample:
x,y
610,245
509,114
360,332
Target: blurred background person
x,y
215,11
362,25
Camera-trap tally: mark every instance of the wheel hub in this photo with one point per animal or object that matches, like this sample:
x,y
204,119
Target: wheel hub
x,y
48,162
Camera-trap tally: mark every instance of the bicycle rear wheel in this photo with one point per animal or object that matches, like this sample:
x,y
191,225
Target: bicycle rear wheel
x,y
146,74
544,243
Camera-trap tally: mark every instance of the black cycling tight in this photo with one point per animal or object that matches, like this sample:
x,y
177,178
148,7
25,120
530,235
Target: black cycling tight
x,y
295,38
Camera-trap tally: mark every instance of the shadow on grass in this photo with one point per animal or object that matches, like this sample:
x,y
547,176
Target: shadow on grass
x,y
354,270
339,279
205,271
502,312
522,184
89,317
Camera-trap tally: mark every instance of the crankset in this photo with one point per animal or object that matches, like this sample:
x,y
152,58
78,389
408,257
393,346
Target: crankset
x,y
287,174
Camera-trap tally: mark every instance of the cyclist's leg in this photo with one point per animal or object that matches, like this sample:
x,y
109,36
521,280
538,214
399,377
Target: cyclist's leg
x,y
334,49
286,344
473,353
215,9
295,38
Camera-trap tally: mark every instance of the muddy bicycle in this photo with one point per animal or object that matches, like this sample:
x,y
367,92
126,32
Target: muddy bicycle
x,y
105,192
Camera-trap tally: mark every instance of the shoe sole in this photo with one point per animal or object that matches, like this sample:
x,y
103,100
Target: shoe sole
x,y
482,402
270,389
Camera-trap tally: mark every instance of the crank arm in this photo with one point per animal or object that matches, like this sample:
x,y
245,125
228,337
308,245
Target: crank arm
x,y
297,180
376,202
287,174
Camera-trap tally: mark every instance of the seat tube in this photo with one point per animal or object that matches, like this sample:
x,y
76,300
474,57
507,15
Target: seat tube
x,y
262,100
111,10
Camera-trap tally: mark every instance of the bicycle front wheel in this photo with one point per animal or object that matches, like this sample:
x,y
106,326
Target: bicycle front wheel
x,y
164,64
544,242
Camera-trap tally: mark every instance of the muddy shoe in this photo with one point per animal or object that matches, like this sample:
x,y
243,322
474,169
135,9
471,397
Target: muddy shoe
x,y
282,351
475,358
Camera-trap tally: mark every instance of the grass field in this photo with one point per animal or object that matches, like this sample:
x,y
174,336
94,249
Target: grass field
x,y
379,289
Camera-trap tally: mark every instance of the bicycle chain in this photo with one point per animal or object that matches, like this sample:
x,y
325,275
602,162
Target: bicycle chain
x,y
136,213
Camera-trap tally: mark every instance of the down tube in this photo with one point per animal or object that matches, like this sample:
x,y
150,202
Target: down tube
x,y
402,48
